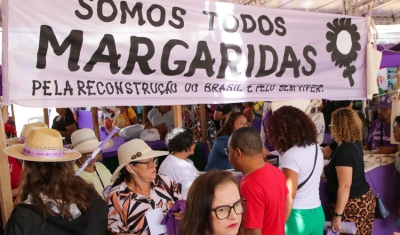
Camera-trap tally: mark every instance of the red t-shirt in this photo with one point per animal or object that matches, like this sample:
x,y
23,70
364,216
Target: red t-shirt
x,y
265,192
15,172
10,129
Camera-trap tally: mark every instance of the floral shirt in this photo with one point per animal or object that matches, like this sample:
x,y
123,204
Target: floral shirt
x,y
127,209
211,131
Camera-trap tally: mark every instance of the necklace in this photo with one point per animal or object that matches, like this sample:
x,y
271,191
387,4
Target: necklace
x,y
86,168
148,194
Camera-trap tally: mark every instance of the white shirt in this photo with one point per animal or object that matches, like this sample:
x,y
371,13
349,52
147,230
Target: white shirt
x,y
301,160
179,170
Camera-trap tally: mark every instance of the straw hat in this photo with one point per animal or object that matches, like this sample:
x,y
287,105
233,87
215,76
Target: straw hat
x,y
134,150
42,145
25,132
85,141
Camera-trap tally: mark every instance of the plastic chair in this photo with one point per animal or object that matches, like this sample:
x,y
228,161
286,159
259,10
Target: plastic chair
x,y
35,119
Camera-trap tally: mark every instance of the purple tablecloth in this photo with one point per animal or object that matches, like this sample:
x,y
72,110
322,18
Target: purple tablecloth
x,y
118,141
388,186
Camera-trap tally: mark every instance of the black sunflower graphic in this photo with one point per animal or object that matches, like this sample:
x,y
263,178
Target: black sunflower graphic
x,y
343,44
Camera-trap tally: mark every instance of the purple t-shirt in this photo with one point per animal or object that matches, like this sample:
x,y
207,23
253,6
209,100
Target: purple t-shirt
x,y
374,136
267,145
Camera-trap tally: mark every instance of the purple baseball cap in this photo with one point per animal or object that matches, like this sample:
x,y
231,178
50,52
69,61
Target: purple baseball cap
x,y
385,102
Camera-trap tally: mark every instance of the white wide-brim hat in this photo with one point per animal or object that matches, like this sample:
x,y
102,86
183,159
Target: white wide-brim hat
x,y
25,132
134,150
42,145
85,141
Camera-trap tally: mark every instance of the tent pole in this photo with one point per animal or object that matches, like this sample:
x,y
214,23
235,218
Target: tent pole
x,y
96,128
178,115
144,115
203,123
12,112
5,180
46,116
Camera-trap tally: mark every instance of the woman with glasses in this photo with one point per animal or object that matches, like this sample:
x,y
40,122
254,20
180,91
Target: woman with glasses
x,y
353,199
294,134
177,165
218,158
85,142
213,206
138,193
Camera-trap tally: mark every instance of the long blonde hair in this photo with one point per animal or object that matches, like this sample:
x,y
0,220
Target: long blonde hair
x,y
346,126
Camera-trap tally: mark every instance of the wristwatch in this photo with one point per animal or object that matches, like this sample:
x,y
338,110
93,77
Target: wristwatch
x,y
337,215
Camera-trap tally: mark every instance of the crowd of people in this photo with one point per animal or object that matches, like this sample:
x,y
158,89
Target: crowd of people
x,y
263,199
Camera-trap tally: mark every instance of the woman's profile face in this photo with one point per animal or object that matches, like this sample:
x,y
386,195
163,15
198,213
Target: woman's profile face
x,y
61,110
396,131
226,195
146,172
240,122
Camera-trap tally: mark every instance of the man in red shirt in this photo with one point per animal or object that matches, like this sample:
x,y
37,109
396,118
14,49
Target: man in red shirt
x,y
263,185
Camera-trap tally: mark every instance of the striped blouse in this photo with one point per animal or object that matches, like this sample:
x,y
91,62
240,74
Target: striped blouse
x,y
127,209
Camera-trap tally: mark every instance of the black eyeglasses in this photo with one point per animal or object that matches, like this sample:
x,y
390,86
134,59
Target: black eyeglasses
x,y
227,150
149,163
223,212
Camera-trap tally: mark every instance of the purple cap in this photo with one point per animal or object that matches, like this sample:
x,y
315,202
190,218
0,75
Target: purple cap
x,y
385,102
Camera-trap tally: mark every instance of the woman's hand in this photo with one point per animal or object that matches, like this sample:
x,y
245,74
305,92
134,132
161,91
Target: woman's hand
x,y
178,215
336,221
266,152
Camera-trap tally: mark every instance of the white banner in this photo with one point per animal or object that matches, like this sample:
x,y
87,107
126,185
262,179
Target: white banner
x,y
104,52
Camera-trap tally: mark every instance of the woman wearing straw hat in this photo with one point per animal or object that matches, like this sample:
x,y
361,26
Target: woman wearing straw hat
x,y
138,189
54,200
25,131
85,142
15,164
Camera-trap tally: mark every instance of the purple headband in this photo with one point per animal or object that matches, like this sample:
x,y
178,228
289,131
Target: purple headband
x,y
22,139
27,151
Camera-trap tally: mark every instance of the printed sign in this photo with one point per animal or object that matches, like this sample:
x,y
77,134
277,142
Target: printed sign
x,y
104,52
383,79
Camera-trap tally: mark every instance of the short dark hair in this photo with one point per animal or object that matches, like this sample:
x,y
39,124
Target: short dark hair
x,y
179,139
397,119
197,219
289,126
248,140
